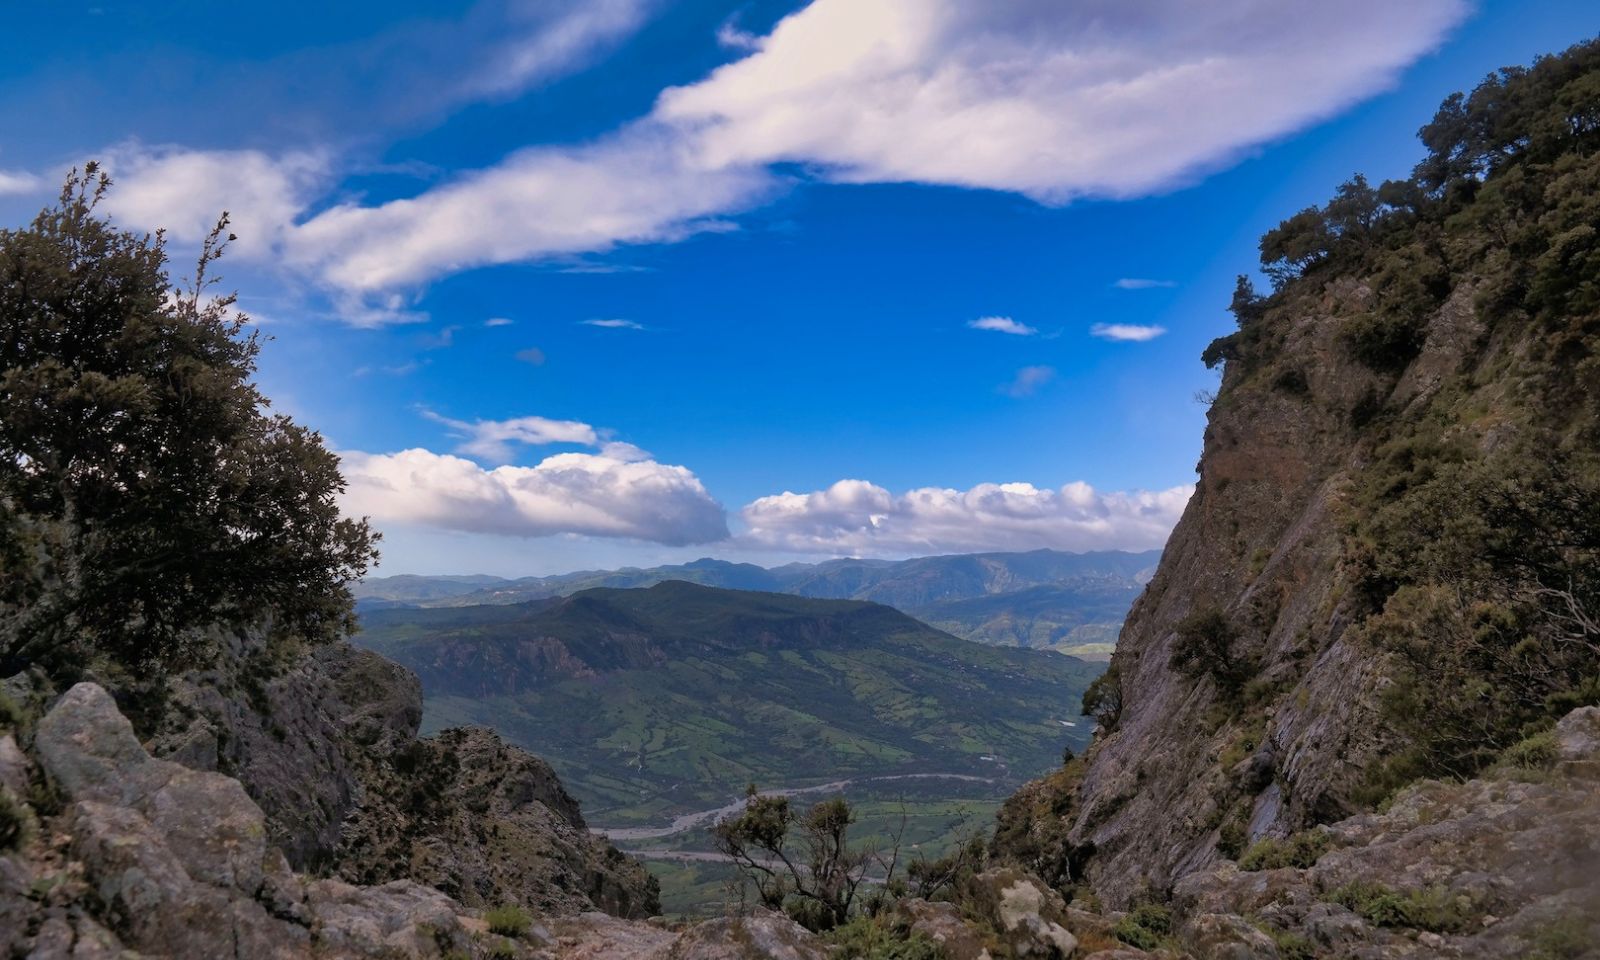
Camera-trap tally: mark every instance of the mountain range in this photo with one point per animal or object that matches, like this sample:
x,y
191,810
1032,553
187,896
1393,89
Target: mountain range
x,y
668,699
1071,602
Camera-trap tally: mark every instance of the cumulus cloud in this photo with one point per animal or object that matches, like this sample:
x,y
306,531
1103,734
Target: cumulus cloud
x,y
1002,325
613,324
858,518
492,439
597,495
1107,98
1028,381
1126,332
184,191
1141,283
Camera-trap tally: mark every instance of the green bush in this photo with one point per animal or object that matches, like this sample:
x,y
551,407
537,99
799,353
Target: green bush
x,y
1434,908
1206,644
508,920
880,938
1301,850
1146,927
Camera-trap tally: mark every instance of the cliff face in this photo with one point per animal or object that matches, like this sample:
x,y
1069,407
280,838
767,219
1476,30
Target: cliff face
x,y
1390,568
1262,542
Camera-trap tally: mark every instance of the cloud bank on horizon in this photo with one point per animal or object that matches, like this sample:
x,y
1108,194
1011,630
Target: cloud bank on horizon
x,y
1096,99
620,492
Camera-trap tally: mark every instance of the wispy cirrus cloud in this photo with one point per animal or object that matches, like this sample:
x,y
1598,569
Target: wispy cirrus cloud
x,y
1002,325
1126,332
1028,381
1143,283
493,440
613,324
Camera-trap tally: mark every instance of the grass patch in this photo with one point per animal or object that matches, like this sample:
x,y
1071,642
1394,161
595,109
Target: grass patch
x,y
1434,908
508,920
1566,938
1301,850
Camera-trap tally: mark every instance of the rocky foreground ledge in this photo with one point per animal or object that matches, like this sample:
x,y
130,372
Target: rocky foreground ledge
x,y
127,855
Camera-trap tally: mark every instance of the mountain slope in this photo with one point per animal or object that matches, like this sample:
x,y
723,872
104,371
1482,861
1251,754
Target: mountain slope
x,y
1390,568
674,697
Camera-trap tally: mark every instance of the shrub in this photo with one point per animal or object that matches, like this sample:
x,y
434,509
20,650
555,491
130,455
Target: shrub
x,y
1146,927
880,938
1565,938
1206,645
1103,698
1301,850
1435,908
508,920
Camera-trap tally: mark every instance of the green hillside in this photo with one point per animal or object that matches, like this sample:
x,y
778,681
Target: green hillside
x,y
670,699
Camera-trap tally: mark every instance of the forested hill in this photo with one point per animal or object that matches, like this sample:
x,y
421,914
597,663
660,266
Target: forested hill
x,y
679,694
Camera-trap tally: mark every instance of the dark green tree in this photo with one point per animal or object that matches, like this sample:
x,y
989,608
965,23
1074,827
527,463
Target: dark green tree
x,y
147,492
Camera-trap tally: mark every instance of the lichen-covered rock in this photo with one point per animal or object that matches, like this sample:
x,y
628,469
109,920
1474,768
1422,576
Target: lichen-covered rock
x,y
942,923
1029,917
762,936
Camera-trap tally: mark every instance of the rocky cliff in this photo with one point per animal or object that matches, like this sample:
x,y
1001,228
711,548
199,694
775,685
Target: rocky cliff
x,y
1390,568
324,741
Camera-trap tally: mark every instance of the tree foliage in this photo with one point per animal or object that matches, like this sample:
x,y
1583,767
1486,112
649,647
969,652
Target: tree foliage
x,y
804,863
146,490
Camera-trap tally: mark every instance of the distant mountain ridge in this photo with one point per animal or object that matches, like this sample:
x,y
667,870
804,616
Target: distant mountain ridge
x,y
1073,602
679,694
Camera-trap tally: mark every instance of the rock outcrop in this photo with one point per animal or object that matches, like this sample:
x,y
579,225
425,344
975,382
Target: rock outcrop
x,y
149,855
326,742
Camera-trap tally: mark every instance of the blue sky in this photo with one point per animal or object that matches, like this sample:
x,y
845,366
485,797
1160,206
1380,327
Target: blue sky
x,y
585,284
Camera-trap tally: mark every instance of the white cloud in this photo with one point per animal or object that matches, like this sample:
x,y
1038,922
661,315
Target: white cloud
x,y
1126,332
1140,283
1028,381
185,191
557,45
492,439
597,495
531,355
1101,97
613,324
859,518
732,37
1109,98
498,322
635,187
1002,325
18,181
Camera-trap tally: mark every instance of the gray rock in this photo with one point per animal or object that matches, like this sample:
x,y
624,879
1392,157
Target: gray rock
x,y
763,936
14,766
